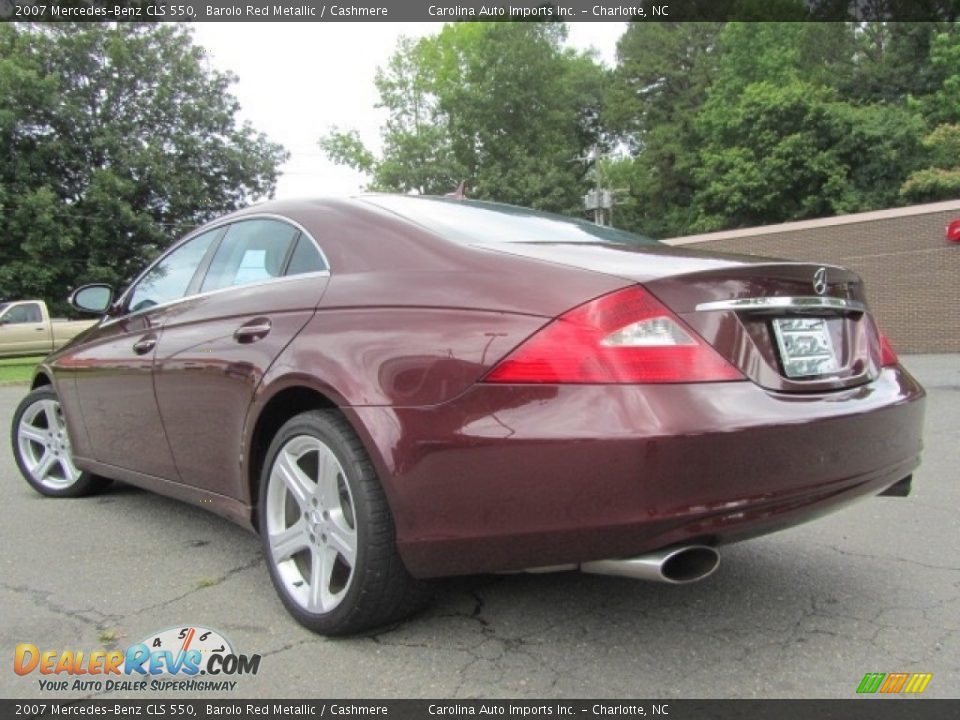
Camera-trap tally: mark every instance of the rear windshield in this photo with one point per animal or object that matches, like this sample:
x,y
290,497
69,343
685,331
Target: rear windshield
x,y
472,222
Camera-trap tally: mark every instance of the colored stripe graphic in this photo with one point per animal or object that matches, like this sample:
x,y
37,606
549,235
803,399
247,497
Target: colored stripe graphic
x,y
918,682
871,682
894,683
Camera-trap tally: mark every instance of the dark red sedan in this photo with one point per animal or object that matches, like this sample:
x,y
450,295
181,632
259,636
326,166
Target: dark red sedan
x,y
395,388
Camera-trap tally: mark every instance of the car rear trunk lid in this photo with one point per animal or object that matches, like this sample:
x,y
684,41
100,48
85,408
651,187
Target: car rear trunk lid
x,y
788,326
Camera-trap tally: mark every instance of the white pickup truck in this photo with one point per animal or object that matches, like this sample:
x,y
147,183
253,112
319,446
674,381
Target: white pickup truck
x,y
26,329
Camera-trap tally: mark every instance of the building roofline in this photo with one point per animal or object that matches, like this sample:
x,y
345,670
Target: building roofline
x,y
909,211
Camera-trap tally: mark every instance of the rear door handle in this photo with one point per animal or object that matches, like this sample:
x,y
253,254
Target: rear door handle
x,y
253,330
145,345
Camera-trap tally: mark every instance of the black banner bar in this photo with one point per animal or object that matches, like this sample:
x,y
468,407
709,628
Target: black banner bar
x,y
874,708
476,10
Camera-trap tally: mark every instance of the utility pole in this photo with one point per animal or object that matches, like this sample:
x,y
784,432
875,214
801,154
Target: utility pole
x,y
600,199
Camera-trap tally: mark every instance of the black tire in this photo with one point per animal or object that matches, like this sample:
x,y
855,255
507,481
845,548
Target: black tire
x,y
377,589
62,480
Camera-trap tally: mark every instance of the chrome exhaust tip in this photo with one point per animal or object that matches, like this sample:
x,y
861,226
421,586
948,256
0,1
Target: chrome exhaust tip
x,y
676,565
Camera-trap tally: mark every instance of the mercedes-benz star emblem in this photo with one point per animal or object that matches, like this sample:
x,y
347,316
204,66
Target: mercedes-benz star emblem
x,y
820,281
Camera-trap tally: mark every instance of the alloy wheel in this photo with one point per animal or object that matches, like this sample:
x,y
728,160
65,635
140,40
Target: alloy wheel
x,y
45,446
311,524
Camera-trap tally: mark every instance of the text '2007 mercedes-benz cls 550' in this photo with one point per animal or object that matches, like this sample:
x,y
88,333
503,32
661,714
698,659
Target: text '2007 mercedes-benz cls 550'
x,y
390,389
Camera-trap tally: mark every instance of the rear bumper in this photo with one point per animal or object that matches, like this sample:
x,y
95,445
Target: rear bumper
x,y
511,477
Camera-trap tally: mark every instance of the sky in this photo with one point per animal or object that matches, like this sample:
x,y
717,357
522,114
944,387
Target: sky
x,y
297,80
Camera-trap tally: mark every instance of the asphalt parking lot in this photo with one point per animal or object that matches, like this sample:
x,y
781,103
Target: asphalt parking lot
x,y
804,613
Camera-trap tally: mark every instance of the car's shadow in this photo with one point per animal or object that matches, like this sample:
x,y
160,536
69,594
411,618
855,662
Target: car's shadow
x,y
769,586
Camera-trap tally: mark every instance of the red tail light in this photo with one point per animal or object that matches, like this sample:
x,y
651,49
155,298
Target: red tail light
x,y
627,336
887,355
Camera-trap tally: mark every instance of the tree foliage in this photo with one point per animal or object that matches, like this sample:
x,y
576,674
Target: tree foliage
x,y
792,151
713,124
118,139
663,73
941,179
503,106
780,121
943,104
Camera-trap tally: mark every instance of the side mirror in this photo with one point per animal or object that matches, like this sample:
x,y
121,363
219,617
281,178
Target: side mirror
x,y
94,298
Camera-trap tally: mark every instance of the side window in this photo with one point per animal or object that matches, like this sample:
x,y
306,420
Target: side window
x,y
251,251
25,313
33,313
306,258
170,278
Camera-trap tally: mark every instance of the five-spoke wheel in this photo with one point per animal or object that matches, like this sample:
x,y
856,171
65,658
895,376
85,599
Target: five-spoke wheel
x,y
327,530
311,524
41,446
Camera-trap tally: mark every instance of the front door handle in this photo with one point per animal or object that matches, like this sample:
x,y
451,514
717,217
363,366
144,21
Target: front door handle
x,y
253,330
145,345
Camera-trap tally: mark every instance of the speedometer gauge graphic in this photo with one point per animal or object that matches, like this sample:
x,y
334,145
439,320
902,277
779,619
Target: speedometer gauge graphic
x,y
182,639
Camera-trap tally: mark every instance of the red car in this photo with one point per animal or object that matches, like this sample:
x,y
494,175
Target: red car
x,y
396,388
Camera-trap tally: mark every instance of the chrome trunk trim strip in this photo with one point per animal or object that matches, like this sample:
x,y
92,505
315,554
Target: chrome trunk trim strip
x,y
785,303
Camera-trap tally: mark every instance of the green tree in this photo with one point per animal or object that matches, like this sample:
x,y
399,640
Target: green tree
x,y
663,73
941,179
782,139
760,122
665,76
503,106
942,105
892,62
793,151
820,54
118,139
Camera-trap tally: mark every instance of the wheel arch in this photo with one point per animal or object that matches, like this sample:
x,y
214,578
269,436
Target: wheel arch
x,y
287,399
41,379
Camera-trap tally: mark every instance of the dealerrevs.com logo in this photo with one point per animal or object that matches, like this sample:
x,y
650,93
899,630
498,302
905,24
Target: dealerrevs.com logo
x,y
186,658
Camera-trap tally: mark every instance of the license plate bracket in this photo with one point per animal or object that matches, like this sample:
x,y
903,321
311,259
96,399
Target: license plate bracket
x,y
806,348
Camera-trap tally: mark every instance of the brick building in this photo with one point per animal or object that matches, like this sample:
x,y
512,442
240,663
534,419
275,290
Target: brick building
x,y
912,273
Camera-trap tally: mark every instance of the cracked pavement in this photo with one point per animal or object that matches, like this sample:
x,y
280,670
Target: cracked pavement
x,y
803,613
